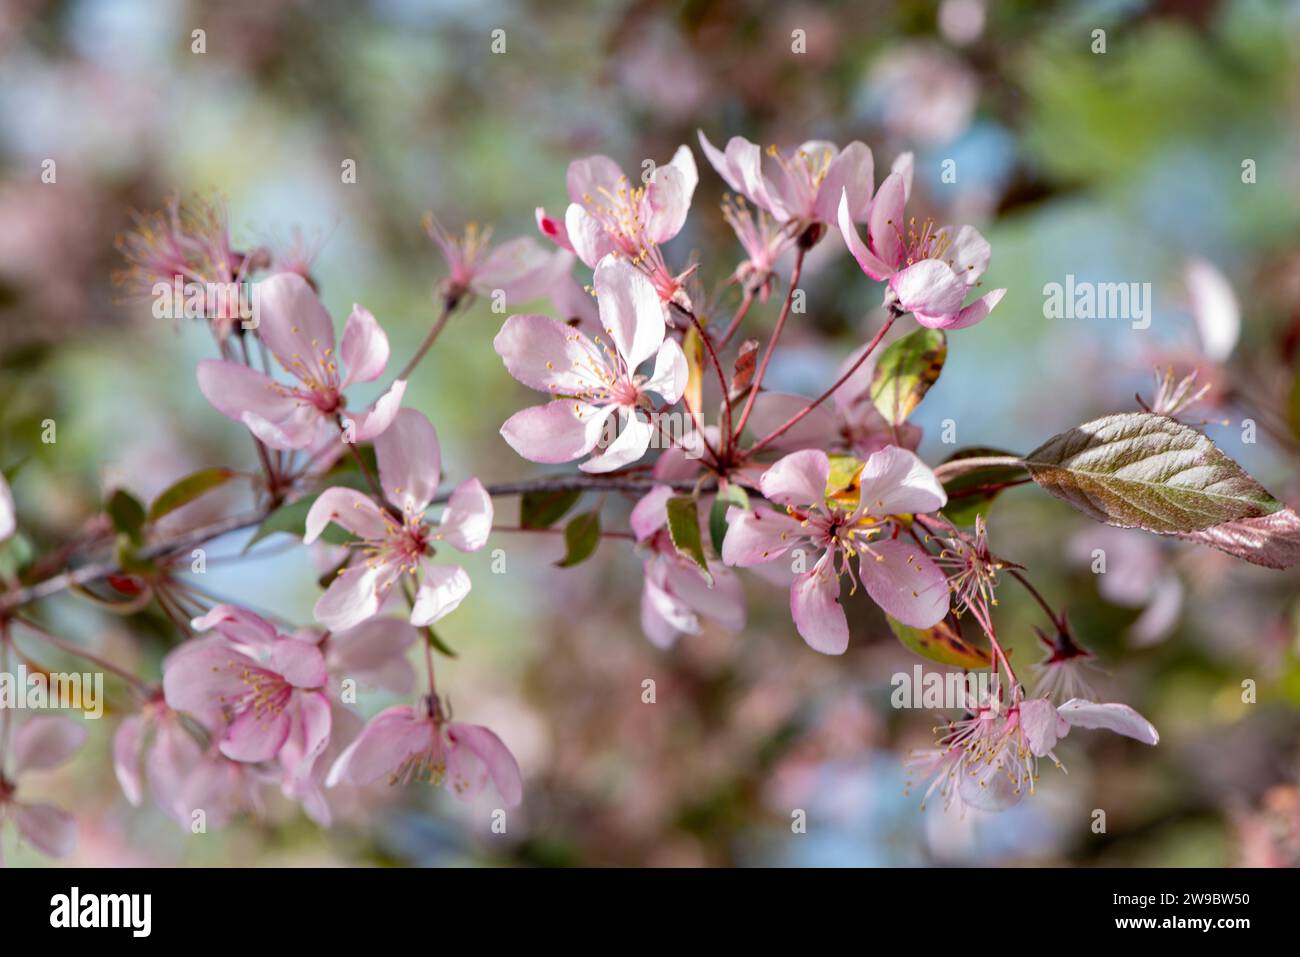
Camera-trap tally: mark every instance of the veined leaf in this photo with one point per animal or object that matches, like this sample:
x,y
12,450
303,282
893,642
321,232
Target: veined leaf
x,y
186,490
942,643
543,509
581,536
684,530
842,484
905,371
1270,540
1141,470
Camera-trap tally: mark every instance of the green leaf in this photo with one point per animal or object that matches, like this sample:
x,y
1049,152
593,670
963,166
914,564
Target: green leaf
x,y
731,495
905,371
436,642
543,509
16,554
127,515
941,643
842,483
292,518
1140,470
581,536
186,490
970,494
684,530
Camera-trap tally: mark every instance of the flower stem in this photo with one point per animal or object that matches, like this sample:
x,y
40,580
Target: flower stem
x,y
448,307
798,416
771,343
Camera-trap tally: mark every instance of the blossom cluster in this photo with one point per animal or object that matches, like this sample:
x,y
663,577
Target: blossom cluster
x,y
819,495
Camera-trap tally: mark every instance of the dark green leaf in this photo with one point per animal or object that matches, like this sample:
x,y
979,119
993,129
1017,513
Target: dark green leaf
x,y
581,536
127,515
970,494
292,518
905,371
543,509
188,489
684,530
1141,470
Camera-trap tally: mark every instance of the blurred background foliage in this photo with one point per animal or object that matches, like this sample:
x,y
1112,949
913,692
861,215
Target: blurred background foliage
x,y
1113,166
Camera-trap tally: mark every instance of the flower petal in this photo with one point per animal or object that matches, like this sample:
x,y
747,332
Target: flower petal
x,y
589,177
628,447
903,580
894,481
548,356
1215,309
355,595
46,741
294,324
929,288
968,316
493,757
797,479
299,662
967,252
885,223
442,589
364,348
234,388
668,196
591,241
410,461
671,372
630,310
553,229
815,606
467,521
651,513
374,651
387,740
349,509
758,536
128,748
1119,718
1042,725
558,431
376,420
871,264
47,828
255,735
852,175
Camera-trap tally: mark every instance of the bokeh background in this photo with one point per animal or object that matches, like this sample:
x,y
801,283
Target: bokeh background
x,y
1114,167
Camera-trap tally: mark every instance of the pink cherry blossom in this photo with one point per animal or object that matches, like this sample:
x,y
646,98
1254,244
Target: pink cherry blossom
x,y
41,743
898,574
373,653
299,333
805,187
259,689
988,760
394,538
606,214
590,380
929,269
764,240
154,746
406,744
676,595
520,268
